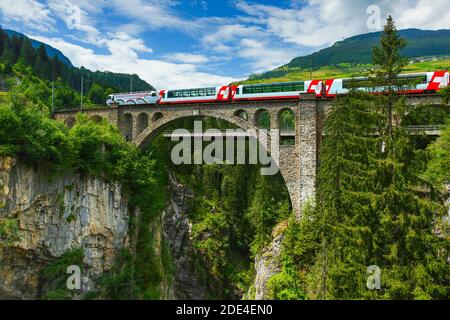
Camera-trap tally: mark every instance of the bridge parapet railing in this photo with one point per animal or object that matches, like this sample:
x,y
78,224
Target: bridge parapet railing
x,y
427,129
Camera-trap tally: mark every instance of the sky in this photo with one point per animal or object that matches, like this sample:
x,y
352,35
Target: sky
x,y
196,43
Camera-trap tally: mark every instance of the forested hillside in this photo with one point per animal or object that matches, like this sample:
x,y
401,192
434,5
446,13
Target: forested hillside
x,y
19,49
356,51
51,52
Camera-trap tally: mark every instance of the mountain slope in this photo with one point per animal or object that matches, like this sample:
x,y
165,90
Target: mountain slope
x,y
53,64
51,52
358,50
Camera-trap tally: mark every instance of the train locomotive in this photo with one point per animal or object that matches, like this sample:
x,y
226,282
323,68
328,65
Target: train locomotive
x,y
425,82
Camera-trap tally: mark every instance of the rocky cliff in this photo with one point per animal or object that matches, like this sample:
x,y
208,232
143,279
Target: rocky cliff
x,y
55,215
267,264
188,282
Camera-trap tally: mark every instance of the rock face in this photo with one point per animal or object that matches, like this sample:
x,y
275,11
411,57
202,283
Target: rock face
x,y
188,282
268,264
54,216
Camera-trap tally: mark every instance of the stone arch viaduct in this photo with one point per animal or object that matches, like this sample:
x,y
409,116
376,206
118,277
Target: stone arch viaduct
x,y
297,162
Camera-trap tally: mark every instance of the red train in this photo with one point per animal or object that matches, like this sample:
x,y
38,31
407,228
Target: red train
x,y
426,82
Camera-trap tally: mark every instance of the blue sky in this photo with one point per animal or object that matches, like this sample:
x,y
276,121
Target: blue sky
x,y
177,44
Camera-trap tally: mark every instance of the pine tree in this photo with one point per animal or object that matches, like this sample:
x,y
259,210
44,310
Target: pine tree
x,y
389,64
4,40
27,52
344,211
408,251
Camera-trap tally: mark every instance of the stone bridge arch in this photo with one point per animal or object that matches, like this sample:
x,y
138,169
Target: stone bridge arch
x,y
289,163
157,126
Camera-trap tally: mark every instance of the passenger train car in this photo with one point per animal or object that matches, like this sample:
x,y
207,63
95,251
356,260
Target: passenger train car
x,y
144,97
212,94
412,83
280,90
426,82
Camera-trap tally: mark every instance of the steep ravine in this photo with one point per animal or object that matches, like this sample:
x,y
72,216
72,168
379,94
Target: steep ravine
x,y
62,213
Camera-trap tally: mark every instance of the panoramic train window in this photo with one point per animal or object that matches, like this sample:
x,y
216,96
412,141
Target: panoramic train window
x,y
404,82
191,93
356,83
412,80
299,86
278,87
267,88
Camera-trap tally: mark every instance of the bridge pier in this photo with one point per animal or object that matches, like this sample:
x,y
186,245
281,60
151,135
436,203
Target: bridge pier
x,y
298,163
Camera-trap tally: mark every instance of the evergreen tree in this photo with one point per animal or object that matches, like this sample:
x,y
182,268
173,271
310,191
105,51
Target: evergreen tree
x,y
389,64
407,249
345,217
4,41
27,52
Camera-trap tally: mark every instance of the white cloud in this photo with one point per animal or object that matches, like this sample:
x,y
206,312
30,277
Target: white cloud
x,y
318,23
158,73
424,14
121,39
250,44
29,13
77,19
263,57
184,57
154,14
231,33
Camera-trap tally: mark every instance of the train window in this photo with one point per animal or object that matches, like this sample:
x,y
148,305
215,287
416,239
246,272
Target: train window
x,y
267,88
287,87
300,86
277,88
257,89
412,80
201,93
247,90
238,90
356,83
194,93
